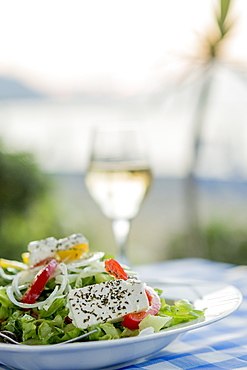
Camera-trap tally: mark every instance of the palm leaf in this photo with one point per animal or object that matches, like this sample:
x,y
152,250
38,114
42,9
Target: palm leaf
x,y
224,8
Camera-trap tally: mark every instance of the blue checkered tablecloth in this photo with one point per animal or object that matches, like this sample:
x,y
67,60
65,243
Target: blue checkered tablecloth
x,y
221,345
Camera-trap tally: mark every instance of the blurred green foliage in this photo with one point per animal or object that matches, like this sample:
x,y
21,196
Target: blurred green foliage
x,y
27,211
20,182
217,241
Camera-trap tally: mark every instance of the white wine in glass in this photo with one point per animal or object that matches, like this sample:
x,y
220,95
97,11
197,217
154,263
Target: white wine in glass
x,y
118,178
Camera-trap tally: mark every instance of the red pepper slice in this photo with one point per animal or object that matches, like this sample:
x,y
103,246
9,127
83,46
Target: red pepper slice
x,y
113,268
36,287
41,263
132,320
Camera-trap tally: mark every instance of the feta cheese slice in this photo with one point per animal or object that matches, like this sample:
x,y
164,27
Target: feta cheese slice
x,y
51,247
71,241
41,249
107,301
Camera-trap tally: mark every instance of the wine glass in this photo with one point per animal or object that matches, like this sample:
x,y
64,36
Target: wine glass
x,y
118,178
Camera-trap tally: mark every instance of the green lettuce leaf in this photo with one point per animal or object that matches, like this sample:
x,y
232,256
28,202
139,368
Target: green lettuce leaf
x,y
6,306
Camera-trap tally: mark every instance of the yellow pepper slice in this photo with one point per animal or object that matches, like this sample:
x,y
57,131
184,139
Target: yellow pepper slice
x,y
73,253
25,257
67,255
15,264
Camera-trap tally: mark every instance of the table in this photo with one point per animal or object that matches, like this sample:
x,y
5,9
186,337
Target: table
x,y
221,345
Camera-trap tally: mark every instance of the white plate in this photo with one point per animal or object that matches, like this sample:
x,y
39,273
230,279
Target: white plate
x,y
219,300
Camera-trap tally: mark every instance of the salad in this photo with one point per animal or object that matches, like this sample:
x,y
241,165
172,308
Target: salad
x,y
60,290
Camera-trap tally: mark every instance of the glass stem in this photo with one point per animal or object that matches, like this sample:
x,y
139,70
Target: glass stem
x,y
121,230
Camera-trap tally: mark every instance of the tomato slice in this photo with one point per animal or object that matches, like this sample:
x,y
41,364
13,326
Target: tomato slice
x,y
113,268
132,320
36,287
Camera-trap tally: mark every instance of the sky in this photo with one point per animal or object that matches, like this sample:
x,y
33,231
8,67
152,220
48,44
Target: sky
x,y
122,46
